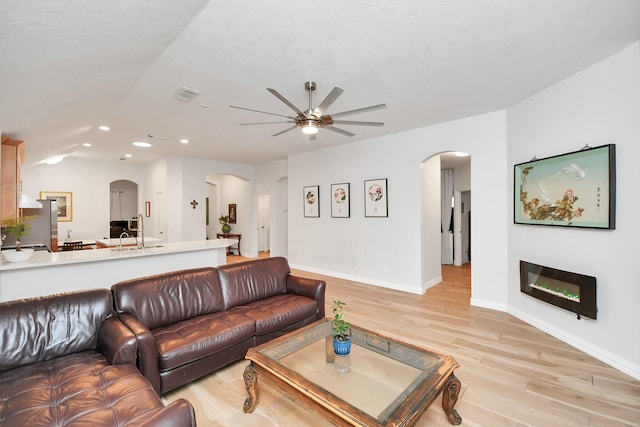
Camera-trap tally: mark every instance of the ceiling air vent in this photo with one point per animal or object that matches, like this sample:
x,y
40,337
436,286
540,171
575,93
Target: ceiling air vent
x,y
186,94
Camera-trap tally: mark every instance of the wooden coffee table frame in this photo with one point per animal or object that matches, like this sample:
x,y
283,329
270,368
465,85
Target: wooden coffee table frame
x,y
439,380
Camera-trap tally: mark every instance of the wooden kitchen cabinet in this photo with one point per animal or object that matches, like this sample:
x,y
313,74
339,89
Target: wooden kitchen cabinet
x,y
11,157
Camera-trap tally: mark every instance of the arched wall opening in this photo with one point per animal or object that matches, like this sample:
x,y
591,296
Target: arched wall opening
x,y
222,191
433,237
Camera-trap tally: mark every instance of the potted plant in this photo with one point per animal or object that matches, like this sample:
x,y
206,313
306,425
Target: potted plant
x,y
341,329
18,227
224,220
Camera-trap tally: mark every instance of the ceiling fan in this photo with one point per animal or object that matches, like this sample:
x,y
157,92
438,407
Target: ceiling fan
x,y
314,118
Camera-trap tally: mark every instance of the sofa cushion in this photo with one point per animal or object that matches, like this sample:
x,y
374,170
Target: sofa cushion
x,y
168,298
253,280
77,389
277,312
193,339
43,328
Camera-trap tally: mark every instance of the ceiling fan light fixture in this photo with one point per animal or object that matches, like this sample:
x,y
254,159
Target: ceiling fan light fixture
x,y
310,128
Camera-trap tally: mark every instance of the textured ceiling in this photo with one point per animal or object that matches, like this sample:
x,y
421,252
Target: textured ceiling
x,y
69,66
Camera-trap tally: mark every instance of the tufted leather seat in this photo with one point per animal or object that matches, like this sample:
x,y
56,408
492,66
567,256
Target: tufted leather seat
x,y
65,360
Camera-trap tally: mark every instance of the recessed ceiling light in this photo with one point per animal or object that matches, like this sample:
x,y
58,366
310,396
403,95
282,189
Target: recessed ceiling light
x,y
54,160
104,128
141,144
184,141
128,155
86,144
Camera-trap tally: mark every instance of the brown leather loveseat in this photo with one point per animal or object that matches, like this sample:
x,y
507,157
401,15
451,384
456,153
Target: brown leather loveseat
x,y
192,322
66,360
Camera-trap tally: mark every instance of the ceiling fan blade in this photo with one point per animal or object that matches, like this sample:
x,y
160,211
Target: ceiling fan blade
x,y
338,130
353,122
264,123
326,103
286,130
285,100
360,110
263,112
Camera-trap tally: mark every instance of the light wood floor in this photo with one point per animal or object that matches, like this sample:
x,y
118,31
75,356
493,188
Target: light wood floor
x,y
512,374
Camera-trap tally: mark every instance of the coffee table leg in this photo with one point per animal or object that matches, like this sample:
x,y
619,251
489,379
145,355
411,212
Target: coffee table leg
x,y
251,384
449,399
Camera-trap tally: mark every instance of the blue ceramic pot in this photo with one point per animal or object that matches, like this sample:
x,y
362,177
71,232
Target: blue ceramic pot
x,y
341,348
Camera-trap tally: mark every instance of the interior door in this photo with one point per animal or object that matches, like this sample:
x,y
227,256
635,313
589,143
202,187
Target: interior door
x,y
212,196
264,202
158,216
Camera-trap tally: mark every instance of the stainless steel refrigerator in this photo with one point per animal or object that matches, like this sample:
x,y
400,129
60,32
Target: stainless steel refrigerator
x,y
44,228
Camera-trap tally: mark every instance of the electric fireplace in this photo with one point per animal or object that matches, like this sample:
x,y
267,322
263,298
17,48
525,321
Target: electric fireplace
x,y
571,291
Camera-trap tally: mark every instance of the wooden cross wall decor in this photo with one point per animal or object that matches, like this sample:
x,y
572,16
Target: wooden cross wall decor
x,y
194,204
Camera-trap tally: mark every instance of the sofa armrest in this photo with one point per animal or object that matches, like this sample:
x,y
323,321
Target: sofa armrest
x,y
116,342
178,413
147,350
311,288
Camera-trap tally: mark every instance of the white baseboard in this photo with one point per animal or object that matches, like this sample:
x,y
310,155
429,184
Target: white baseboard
x,y
599,353
382,284
477,302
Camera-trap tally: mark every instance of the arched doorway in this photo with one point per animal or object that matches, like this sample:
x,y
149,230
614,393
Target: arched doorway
x,y
123,208
433,232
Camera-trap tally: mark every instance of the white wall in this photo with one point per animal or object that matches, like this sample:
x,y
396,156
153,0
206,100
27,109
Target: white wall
x,y
232,189
430,224
272,180
88,182
597,106
387,251
187,183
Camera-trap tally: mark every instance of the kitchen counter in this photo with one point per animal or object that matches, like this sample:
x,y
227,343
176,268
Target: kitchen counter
x,y
126,241
47,273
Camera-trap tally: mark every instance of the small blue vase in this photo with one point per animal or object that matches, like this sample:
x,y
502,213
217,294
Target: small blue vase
x,y
342,348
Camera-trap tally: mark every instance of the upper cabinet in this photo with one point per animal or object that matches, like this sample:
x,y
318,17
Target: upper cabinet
x,y
11,156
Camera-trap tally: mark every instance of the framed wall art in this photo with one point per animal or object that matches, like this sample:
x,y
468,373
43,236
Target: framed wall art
x,y
340,199
375,198
311,200
232,213
576,189
65,203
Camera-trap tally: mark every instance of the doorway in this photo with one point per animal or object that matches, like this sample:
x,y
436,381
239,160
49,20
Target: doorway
x,y
459,236
211,208
123,208
264,219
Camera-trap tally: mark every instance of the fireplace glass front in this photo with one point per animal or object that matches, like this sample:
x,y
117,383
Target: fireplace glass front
x,y
571,291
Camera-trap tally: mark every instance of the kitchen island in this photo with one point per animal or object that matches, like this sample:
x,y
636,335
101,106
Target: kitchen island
x,y
47,273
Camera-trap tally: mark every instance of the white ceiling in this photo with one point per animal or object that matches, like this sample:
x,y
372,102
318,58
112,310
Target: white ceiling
x,y
71,65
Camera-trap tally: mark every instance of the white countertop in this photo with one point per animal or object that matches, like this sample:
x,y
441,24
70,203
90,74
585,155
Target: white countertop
x,y
49,259
126,241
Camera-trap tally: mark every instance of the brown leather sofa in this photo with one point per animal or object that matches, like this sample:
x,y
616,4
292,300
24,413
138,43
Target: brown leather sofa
x,y
66,360
192,322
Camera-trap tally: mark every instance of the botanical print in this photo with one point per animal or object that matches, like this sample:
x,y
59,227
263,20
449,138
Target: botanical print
x,y
311,202
375,192
375,201
340,200
568,190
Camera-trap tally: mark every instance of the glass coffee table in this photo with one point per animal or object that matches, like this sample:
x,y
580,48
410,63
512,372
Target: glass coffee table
x,y
382,382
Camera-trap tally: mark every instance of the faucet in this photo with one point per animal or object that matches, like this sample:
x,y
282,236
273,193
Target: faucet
x,y
141,229
124,233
